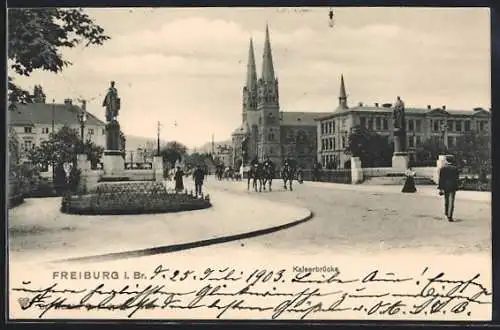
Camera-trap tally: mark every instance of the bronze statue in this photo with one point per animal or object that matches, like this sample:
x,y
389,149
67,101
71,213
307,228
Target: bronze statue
x,y
399,114
399,126
112,103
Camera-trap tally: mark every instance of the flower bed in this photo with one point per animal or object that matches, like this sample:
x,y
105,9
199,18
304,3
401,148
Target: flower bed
x,y
131,198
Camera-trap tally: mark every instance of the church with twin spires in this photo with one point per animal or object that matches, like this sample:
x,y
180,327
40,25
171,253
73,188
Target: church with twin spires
x,y
266,130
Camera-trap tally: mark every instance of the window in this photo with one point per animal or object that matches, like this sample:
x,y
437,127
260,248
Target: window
x,y
28,145
370,123
411,125
28,130
91,131
386,123
362,122
378,123
343,142
103,131
450,141
435,125
449,125
467,126
458,125
333,126
45,130
418,125
322,128
419,141
330,144
322,145
333,142
411,142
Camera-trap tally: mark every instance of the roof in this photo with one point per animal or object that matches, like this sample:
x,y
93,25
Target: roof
x,y
41,113
408,111
301,118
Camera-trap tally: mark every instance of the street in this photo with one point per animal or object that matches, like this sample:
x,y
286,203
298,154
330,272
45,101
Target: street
x,y
367,221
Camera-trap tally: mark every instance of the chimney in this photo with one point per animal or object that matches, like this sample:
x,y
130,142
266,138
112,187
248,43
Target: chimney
x,y
360,104
444,107
376,104
428,106
68,101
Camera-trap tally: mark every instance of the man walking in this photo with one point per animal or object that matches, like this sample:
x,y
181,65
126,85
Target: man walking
x,y
198,176
448,185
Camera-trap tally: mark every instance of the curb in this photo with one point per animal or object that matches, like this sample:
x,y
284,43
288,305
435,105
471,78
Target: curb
x,y
186,246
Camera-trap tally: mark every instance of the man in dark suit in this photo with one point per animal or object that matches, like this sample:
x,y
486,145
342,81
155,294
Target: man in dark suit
x,y
448,185
198,176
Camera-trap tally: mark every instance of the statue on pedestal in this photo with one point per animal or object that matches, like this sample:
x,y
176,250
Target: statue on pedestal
x,y
399,126
112,104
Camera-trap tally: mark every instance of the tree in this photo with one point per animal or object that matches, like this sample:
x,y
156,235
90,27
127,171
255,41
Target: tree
x,y
62,147
123,143
36,37
473,150
428,152
373,149
173,151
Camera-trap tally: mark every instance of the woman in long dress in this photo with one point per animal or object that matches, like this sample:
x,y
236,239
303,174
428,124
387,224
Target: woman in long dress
x,y
178,177
409,186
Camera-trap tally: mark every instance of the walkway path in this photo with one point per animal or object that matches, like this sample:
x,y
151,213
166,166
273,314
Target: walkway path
x,y
38,230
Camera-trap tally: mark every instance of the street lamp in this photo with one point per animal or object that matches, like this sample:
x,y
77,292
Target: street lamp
x,y
82,118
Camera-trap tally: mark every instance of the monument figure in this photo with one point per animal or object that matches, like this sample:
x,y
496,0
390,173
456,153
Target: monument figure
x,y
112,104
398,114
400,156
113,156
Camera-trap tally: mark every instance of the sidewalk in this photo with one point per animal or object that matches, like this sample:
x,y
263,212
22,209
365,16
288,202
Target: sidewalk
x,y
38,230
479,196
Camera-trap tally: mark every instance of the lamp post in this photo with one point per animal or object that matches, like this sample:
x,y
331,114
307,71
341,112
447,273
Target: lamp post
x,y
158,140
82,118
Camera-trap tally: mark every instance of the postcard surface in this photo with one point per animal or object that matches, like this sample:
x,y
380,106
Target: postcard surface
x,y
249,163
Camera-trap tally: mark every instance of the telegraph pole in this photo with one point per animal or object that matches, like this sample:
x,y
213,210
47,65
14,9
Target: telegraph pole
x,y
158,139
53,124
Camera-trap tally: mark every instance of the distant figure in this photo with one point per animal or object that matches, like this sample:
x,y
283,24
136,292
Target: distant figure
x,y
448,186
409,186
178,177
198,177
300,175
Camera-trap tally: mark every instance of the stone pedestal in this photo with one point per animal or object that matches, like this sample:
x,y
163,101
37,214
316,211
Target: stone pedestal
x,y
356,170
113,135
114,164
158,168
83,164
400,161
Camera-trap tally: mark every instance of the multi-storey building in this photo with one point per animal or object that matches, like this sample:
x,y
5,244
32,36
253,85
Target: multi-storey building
x,y
266,130
34,122
422,124
224,153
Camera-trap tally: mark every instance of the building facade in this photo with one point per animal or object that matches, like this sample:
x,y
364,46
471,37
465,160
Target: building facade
x,y
224,154
34,122
422,124
266,130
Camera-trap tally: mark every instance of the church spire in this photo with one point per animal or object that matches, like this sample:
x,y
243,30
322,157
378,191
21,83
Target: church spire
x,y
251,69
267,60
342,94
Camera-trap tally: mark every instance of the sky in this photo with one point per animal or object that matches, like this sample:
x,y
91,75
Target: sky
x,y
186,67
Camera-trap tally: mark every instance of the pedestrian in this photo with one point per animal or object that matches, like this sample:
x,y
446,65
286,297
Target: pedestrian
x,y
300,175
448,185
198,177
409,186
179,177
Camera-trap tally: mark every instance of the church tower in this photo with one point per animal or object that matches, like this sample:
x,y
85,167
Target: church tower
x,y
342,95
268,108
250,88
